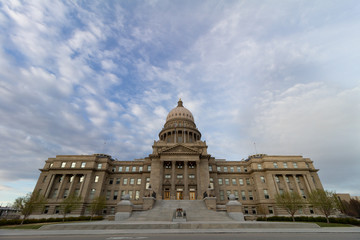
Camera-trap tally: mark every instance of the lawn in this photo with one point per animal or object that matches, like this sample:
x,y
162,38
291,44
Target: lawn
x,y
322,224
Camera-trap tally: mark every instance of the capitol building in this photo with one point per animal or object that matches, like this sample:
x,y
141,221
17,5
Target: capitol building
x,y
179,168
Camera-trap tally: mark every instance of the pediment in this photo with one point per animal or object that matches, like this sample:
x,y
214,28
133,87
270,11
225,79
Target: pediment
x,y
180,149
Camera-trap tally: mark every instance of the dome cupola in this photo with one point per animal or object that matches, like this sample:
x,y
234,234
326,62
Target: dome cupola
x,y
180,112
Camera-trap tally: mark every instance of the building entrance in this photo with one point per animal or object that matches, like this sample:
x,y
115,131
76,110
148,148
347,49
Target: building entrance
x,y
192,196
166,195
179,194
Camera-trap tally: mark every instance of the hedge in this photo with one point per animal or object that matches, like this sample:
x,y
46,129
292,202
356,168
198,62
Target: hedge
x,y
351,221
46,220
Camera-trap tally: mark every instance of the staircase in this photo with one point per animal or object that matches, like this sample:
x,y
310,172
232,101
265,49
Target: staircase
x,y
163,210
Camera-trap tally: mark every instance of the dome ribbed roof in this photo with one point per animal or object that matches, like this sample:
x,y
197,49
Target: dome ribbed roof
x,y
180,112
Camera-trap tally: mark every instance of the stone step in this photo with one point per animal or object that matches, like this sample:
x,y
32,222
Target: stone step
x,y
163,210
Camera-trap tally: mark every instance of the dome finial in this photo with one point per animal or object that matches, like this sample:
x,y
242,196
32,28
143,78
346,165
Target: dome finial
x,y
180,103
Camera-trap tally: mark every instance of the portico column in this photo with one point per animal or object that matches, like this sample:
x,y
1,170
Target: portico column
x,y
61,185
72,184
285,182
276,184
48,190
172,192
186,178
199,193
297,185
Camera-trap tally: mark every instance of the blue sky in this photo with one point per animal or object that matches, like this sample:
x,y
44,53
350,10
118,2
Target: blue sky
x,y
84,77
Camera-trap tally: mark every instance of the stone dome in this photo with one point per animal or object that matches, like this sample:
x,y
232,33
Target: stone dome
x,y
180,112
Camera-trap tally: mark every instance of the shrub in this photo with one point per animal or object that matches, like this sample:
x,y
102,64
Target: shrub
x,y
45,220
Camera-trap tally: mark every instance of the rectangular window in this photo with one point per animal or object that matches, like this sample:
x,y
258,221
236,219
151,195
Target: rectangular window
x,y
46,209
108,193
138,181
285,165
179,176
271,210
115,195
61,178
287,179
281,191
295,165
63,164
76,192
266,194
57,210
227,182
220,181
248,181
303,193
311,210
231,169
241,181
191,176
71,179
92,193
82,178
245,169
132,181
73,164
149,168
253,210
111,181
125,181
120,168
275,165
228,192
167,176
236,193
131,194
54,194
127,169
83,164
117,181
210,168
250,195
225,169
246,210
262,178
96,179
140,168
277,179
137,195
133,169
238,169
259,166
233,181
113,169
123,193
218,169
99,166
51,165
243,196
221,195
297,179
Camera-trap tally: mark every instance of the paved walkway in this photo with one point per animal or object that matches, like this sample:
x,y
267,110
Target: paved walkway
x,y
277,229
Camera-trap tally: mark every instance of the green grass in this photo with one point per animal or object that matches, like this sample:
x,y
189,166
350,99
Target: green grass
x,y
322,224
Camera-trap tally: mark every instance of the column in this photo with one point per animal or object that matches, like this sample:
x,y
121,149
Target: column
x,y
286,184
296,184
173,192
186,178
61,185
276,184
72,184
199,193
308,186
49,188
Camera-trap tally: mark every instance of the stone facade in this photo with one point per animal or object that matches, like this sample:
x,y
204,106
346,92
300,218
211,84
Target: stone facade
x,y
178,168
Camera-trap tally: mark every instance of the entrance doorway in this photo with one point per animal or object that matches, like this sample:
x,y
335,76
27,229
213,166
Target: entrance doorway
x,y
166,195
179,194
192,196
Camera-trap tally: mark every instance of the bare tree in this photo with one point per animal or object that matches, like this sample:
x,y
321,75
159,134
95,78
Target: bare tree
x,y
97,205
26,205
291,202
69,204
324,201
